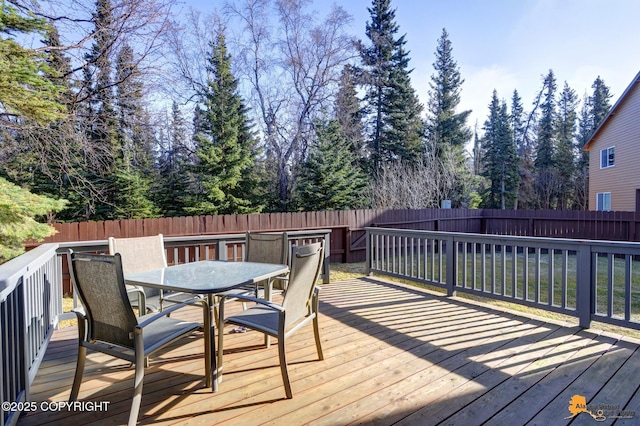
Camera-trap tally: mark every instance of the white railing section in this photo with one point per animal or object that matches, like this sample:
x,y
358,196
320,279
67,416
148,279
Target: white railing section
x,y
30,304
31,296
591,280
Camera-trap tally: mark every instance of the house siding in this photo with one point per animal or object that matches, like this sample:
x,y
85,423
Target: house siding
x,y
622,130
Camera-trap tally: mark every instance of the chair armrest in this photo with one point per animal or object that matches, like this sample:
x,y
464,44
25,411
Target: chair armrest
x,y
83,325
142,298
263,302
167,311
134,289
80,313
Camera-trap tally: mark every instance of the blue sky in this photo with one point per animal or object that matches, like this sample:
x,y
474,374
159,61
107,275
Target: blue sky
x,y
511,44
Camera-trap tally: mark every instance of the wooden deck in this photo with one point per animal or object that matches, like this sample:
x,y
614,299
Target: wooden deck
x,y
393,355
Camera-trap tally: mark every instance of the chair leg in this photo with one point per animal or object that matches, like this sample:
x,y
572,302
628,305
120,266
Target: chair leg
x,y
283,367
77,378
316,333
142,304
137,388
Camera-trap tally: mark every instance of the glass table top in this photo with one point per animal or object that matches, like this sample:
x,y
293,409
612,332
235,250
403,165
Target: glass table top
x,y
208,276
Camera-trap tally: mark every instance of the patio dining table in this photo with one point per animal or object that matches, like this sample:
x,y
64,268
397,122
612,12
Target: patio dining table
x,y
207,278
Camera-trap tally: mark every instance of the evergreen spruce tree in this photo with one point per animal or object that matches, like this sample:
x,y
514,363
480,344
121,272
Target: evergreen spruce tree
x,y
594,109
391,106
581,185
565,153
253,185
222,141
330,178
26,93
134,162
478,165
404,134
501,160
174,178
132,199
25,89
100,120
546,177
526,198
600,102
135,139
348,113
45,156
446,127
447,133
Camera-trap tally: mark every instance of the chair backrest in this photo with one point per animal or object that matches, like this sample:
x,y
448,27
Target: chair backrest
x,y
99,283
139,254
267,248
306,263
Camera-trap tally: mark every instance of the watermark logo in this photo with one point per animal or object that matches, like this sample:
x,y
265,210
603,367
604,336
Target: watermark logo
x,y
599,412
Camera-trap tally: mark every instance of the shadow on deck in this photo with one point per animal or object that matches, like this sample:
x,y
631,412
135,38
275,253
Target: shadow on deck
x,y
394,354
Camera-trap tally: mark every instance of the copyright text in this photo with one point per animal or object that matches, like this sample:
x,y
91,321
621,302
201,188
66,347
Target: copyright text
x,y
27,406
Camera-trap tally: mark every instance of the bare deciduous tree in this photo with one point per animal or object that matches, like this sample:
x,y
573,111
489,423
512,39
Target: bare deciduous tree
x,y
414,186
291,64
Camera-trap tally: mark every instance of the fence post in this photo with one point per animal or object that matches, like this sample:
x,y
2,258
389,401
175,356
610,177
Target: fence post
x,y
585,280
347,244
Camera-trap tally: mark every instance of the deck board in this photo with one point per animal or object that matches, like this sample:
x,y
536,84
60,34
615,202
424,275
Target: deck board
x,y
394,354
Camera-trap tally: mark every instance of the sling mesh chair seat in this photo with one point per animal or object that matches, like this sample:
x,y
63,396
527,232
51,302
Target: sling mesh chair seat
x,y
107,322
141,254
299,307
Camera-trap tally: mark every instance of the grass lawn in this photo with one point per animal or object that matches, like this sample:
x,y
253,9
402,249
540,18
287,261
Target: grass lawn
x,y
345,271
342,271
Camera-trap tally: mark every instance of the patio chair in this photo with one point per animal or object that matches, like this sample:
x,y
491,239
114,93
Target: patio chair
x,y
262,248
268,248
299,307
142,254
107,323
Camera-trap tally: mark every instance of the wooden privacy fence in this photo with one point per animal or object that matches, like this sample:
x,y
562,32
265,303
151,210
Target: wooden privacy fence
x,y
347,226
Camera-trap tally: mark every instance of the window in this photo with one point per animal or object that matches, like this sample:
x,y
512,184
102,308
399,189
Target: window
x,y
603,203
608,157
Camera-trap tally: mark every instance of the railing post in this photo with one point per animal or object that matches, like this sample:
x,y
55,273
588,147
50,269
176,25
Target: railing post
x,y
327,258
221,250
368,252
451,266
584,285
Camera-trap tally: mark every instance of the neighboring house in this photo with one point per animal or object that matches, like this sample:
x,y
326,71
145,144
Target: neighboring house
x,y
614,155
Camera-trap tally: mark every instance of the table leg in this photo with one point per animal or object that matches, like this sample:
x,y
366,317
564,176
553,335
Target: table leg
x,y
268,289
211,370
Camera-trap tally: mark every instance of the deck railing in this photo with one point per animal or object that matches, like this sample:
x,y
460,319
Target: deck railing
x,y
30,303
31,296
590,280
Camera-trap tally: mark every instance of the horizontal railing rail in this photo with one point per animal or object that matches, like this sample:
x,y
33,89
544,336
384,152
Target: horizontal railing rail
x,y
588,279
